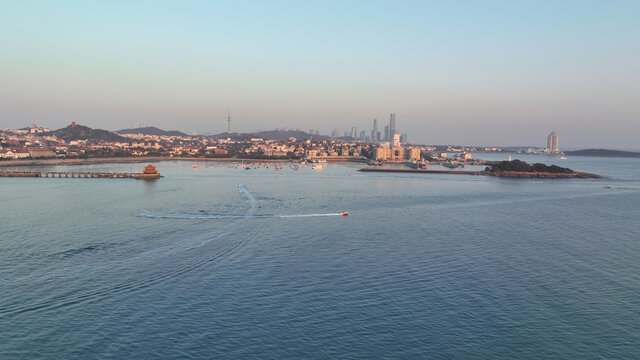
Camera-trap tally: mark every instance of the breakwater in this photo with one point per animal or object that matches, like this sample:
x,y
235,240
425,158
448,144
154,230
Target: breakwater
x,y
424,171
513,174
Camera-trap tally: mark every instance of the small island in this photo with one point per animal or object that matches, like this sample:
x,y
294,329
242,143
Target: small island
x,y
514,169
521,169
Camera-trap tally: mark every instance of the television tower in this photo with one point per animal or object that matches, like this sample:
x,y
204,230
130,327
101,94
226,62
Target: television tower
x,y
229,121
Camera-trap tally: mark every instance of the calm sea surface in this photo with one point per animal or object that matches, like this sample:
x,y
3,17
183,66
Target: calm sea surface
x,y
424,266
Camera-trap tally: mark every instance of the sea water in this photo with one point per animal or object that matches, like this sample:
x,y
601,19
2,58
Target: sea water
x,y
222,262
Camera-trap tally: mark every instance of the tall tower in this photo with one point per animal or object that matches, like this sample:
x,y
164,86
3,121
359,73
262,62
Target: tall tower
x,y
392,125
552,143
374,132
229,121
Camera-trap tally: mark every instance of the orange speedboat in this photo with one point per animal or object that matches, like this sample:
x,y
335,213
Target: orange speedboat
x,y
344,213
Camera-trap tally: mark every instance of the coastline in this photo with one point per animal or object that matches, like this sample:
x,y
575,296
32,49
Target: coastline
x,y
123,160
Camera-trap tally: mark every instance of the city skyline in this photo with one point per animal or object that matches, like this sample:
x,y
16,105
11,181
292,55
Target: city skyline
x,y
465,73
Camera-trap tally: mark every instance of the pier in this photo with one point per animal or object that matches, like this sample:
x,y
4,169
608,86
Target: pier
x,y
149,173
68,174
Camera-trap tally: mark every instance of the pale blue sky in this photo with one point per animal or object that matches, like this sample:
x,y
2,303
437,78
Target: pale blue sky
x,y
464,72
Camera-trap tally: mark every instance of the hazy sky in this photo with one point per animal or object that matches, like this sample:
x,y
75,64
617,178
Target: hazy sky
x,y
461,72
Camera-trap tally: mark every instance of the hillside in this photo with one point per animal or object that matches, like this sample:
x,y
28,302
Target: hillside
x,y
285,135
151,130
80,132
603,152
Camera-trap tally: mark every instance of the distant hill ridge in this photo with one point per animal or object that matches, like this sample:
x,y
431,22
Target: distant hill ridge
x,y
603,152
281,135
285,135
79,132
151,130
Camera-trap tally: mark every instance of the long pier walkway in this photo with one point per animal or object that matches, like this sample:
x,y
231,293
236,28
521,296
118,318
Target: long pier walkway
x,y
67,174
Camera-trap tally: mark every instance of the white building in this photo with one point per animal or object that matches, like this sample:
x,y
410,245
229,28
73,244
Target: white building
x,y
552,143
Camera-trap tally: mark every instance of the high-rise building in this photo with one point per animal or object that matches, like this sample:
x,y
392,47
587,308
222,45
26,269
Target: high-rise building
x,y
363,134
552,143
392,125
374,132
354,132
335,133
386,133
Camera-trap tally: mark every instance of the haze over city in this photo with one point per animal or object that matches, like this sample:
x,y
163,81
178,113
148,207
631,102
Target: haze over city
x,y
477,73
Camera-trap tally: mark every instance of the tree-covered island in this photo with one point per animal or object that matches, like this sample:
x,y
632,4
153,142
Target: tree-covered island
x,y
519,168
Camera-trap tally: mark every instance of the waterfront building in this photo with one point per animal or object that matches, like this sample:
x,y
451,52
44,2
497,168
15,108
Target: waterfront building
x,y
397,153
413,154
35,153
396,140
552,143
14,153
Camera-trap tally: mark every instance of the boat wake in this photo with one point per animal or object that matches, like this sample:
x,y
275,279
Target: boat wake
x,y
87,292
133,264
251,199
148,214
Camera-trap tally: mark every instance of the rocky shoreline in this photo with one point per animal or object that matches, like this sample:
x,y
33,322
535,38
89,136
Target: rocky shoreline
x,y
520,174
512,174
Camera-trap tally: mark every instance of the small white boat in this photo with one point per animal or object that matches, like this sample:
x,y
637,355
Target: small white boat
x,y
317,167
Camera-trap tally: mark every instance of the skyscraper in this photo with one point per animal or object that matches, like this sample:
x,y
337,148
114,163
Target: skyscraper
x,y
392,125
552,143
374,132
386,133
